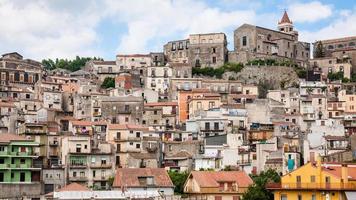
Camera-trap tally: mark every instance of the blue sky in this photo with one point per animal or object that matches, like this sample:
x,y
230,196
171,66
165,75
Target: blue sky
x,y
50,29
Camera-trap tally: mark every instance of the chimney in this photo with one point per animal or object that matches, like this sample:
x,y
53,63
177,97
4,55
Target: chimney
x,y
344,173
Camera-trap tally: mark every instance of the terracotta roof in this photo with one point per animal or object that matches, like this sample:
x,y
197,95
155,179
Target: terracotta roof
x,y
73,187
180,154
334,137
8,137
81,123
127,126
133,55
336,171
285,18
129,177
7,104
212,179
162,104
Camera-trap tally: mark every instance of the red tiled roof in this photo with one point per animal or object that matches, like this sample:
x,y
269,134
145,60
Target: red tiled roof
x,y
8,137
7,104
212,179
336,171
128,177
285,18
73,187
81,123
162,104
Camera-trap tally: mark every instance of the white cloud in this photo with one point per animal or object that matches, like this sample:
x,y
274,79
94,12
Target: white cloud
x,y
167,19
342,26
39,31
309,12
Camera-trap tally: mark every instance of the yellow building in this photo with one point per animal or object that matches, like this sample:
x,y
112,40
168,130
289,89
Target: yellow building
x,y
318,181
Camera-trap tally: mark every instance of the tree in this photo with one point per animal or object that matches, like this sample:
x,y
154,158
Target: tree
x,y
109,82
178,179
258,191
71,65
319,50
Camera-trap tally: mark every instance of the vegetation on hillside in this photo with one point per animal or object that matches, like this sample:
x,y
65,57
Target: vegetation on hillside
x,y
178,179
258,191
71,65
108,82
218,72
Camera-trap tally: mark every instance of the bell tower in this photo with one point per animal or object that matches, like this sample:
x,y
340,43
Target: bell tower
x,y
286,25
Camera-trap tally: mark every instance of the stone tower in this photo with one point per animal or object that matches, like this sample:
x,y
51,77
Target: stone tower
x,y
286,25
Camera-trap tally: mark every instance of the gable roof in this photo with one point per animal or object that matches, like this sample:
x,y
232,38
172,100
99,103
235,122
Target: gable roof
x,y
285,18
73,187
212,179
128,177
9,137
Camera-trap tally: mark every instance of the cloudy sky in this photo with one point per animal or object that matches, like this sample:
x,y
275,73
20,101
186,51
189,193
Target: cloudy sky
x,y
65,28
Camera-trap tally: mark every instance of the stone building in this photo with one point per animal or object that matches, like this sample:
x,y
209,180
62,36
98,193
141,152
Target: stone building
x,y
102,68
341,48
160,115
177,51
122,110
207,50
254,42
332,65
134,62
17,71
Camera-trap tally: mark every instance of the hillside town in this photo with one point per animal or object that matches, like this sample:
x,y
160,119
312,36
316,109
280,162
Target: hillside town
x,y
126,128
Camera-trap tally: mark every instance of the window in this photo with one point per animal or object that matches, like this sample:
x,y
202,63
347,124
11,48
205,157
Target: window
x,y
103,161
299,197
244,41
216,125
199,105
22,177
214,60
131,143
197,63
283,197
211,104
22,161
82,174
78,148
170,147
85,146
214,50
313,197
173,46
138,134
2,161
138,146
207,126
312,179
2,148
94,173
221,186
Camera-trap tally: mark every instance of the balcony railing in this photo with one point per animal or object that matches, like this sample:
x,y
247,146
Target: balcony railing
x,y
312,186
99,165
78,178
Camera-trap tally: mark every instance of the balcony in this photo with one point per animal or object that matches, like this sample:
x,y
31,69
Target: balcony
x,y
35,132
100,166
53,143
100,178
78,178
127,139
312,186
126,112
96,114
22,154
151,149
78,165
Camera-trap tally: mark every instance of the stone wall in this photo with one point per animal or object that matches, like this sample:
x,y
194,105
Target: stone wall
x,y
14,191
273,74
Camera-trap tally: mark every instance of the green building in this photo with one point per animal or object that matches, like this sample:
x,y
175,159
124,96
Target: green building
x,y
16,160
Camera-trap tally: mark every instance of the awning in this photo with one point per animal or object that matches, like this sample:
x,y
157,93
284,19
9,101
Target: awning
x,y
350,195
